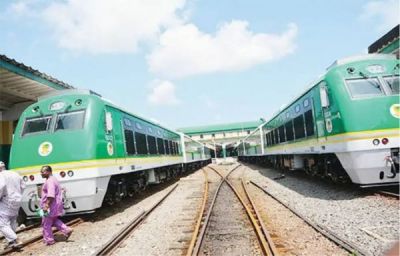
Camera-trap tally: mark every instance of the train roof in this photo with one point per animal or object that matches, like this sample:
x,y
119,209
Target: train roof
x,y
338,62
92,93
347,60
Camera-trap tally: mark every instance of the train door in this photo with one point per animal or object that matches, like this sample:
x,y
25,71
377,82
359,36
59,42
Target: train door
x,y
114,139
322,113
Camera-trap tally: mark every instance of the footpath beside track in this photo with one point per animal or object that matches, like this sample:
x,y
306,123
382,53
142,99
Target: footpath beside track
x,y
37,238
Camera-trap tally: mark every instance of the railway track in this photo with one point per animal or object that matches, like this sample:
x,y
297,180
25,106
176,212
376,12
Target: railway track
x,y
113,244
27,228
37,238
388,192
350,247
264,240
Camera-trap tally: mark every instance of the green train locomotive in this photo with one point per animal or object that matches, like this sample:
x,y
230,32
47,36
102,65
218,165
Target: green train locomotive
x,y
98,151
345,126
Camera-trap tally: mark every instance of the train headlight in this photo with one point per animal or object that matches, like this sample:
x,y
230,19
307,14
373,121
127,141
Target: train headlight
x,y
62,174
385,141
70,173
375,142
31,177
25,178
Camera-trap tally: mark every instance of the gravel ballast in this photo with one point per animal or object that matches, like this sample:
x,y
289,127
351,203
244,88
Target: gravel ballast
x,y
168,230
107,221
369,221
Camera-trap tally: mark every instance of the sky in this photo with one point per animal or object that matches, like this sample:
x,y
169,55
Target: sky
x,y
185,63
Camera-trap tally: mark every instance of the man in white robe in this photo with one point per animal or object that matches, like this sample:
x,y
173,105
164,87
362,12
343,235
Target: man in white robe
x,y
11,188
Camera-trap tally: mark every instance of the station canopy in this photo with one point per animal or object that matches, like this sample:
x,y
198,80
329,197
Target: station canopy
x,y
22,84
207,129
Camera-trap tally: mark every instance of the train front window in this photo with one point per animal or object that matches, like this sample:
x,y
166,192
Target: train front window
x,y
393,82
364,88
70,121
37,124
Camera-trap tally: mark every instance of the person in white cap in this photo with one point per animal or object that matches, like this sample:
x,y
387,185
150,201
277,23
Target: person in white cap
x,y
11,188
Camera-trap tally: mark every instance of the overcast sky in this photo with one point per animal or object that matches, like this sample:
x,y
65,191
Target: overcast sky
x,y
187,63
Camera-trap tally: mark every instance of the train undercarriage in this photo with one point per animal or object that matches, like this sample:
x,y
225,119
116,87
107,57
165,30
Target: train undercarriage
x,y
128,185
325,166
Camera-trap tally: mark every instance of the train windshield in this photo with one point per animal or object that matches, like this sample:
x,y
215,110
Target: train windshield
x,y
70,120
37,124
393,82
364,88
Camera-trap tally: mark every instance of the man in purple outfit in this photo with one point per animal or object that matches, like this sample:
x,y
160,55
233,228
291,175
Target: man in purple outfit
x,y
51,203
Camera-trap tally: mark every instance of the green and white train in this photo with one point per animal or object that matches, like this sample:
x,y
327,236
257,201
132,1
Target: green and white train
x,y
98,151
345,126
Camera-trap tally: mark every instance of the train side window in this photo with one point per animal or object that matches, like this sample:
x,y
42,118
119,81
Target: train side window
x,y
289,130
70,120
276,136
129,142
299,131
267,138
171,148
152,145
37,124
177,148
141,144
160,146
282,134
309,122
174,147
272,138
166,147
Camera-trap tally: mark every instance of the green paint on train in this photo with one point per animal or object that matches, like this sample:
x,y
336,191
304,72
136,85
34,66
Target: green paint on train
x,y
79,126
358,94
345,126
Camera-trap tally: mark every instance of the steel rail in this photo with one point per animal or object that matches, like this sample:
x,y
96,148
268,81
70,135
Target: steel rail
x,y
271,244
200,237
347,245
39,237
123,234
388,194
36,225
263,241
200,215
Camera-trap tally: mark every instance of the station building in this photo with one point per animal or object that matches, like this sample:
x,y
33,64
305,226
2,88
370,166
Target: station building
x,y
222,137
388,43
20,86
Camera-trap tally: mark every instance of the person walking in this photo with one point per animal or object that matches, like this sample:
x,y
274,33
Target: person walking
x,y
52,205
11,188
